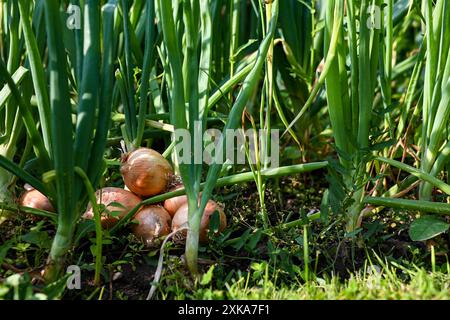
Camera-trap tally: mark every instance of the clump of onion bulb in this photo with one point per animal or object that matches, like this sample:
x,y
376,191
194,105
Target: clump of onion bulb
x,y
152,222
32,198
180,220
115,203
146,172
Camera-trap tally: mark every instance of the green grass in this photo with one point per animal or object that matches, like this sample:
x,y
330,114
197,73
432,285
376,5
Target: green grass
x,y
412,285
418,285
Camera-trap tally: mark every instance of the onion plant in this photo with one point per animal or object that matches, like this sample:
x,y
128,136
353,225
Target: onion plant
x,y
79,146
68,148
435,144
351,95
189,70
11,124
350,103
135,114
357,70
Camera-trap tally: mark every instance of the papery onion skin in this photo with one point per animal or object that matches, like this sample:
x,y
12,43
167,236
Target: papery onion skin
x,y
32,198
180,220
153,222
108,196
146,172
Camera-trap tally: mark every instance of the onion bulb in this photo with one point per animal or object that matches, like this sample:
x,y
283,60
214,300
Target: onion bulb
x,y
146,172
117,201
173,204
180,219
152,222
32,198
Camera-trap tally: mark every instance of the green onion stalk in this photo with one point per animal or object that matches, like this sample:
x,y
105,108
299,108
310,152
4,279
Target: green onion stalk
x,y
189,67
234,119
76,147
262,143
6,179
350,103
7,151
189,93
79,148
435,141
62,142
11,125
350,93
136,113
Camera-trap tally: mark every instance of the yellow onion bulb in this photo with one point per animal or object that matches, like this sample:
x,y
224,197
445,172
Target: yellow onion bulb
x,y
180,220
146,172
117,201
32,198
152,222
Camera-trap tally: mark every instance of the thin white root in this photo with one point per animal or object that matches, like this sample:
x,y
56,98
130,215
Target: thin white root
x,y
160,263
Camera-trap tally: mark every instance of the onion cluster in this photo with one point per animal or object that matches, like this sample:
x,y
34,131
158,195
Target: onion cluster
x,y
146,173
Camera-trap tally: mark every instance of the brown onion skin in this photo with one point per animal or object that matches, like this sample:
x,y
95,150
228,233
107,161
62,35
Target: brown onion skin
x,y
109,195
146,172
153,223
32,198
180,220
